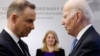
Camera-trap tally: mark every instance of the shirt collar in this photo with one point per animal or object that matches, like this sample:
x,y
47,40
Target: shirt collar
x,y
83,31
13,36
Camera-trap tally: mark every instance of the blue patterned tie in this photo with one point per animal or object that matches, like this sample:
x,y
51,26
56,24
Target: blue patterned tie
x,y
73,44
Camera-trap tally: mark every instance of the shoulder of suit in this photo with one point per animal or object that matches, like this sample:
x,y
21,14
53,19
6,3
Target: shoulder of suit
x,y
61,48
39,49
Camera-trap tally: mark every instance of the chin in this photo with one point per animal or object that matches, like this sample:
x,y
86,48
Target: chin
x,y
25,35
69,33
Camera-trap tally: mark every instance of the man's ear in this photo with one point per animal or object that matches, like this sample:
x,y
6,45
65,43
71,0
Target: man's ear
x,y
14,17
79,16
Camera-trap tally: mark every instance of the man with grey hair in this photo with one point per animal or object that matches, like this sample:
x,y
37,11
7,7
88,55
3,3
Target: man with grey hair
x,y
20,21
76,20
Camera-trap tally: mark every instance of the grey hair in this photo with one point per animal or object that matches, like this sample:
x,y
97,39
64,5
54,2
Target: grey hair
x,y
83,5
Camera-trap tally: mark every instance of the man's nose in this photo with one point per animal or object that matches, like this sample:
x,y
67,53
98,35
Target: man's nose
x,y
62,22
32,26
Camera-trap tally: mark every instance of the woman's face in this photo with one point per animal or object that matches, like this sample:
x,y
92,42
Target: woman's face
x,y
50,39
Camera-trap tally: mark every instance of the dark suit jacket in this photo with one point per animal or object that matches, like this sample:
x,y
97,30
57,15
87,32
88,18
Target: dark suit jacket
x,y
8,47
88,45
61,52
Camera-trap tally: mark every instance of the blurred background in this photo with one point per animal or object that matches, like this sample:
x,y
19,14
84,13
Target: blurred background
x,y
49,16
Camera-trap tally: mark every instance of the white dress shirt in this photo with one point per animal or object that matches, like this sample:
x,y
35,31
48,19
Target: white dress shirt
x,y
83,31
13,36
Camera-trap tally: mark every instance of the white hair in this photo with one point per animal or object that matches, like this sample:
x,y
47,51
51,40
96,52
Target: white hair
x,y
81,4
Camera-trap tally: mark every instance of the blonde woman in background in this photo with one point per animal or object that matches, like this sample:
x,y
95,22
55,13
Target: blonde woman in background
x,y
50,46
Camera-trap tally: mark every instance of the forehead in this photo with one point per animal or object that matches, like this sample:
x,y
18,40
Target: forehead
x,y
29,10
67,9
50,34
66,12
30,13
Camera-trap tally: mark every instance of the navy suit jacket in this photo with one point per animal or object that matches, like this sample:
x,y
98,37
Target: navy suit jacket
x,y
61,52
8,47
88,45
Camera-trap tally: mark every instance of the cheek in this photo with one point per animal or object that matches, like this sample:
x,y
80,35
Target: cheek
x,y
70,21
23,27
52,41
67,22
46,40
21,24
26,25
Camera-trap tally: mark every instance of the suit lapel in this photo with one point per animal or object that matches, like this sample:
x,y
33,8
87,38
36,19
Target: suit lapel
x,y
11,43
81,40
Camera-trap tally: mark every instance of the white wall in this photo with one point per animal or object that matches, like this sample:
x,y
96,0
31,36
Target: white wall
x,y
49,15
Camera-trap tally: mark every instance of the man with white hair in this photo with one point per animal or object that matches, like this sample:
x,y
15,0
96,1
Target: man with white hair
x,y
76,20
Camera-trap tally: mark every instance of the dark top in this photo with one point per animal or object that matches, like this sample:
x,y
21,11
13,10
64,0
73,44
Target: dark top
x,y
88,45
61,52
8,47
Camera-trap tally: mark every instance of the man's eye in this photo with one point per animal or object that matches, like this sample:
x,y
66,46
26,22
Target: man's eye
x,y
29,21
65,17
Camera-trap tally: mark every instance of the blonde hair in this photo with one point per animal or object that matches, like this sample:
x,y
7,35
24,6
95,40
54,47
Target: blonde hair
x,y
56,48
